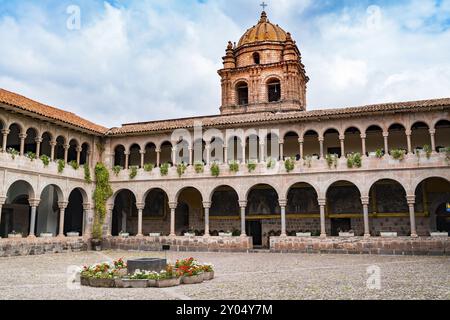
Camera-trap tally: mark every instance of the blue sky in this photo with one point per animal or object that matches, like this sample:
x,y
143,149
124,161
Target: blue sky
x,y
140,60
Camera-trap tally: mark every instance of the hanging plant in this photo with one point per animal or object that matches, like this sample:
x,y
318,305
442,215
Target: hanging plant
x,y
74,165
427,149
148,167
251,166
87,173
133,172
332,160
199,167
116,170
270,163
31,155
398,154
45,160
13,152
61,165
234,166
379,153
164,169
354,160
181,169
289,164
102,193
215,169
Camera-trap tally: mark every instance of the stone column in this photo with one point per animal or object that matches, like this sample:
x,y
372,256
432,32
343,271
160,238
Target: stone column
x,y
87,220
363,144
323,232
433,140
225,153
321,140
301,142
52,150
207,206
283,204
158,157
66,152
2,202
281,142
174,156
208,153
262,150
191,162
142,152
22,138
243,152
243,205
365,204
408,141
5,133
109,208
79,149
173,207
127,160
62,211
34,203
140,207
342,140
412,215
88,158
38,147
386,142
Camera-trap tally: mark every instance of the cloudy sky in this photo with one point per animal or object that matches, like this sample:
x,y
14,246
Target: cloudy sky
x,y
140,60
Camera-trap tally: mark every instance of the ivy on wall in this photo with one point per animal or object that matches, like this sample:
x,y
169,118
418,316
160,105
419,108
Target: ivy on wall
x,y
102,193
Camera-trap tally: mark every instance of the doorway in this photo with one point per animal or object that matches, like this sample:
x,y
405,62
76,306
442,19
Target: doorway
x,y
254,230
340,225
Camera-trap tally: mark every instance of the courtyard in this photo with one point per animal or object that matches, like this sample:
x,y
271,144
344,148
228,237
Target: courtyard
x,y
239,276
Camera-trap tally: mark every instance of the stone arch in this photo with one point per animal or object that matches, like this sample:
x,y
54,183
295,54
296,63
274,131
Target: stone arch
x,y
272,146
30,140
119,155
124,211
60,147
442,135
420,135
242,92
397,137
189,211
302,202
274,89
374,138
311,145
150,153
234,148
166,152
134,155
72,153
74,219
352,138
85,151
47,218
17,210
331,142
13,140
46,147
291,146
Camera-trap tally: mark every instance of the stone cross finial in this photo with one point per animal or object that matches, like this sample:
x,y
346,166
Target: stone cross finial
x,y
263,5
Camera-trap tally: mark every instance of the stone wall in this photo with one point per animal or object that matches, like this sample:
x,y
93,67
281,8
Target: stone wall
x,y
360,245
38,246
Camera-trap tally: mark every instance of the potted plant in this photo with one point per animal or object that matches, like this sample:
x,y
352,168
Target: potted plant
x,y
289,164
379,153
271,163
190,233
124,234
45,160
208,271
398,154
116,170
181,169
164,169
251,166
14,235
133,172
332,160
139,279
215,169
191,271
168,278
148,167
234,166
199,167
13,152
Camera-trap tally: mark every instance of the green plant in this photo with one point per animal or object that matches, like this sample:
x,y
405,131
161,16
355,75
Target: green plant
x,y
87,173
181,169
31,155
116,170
199,167
61,165
45,160
379,153
251,166
332,160
13,152
74,165
100,147
289,164
271,163
354,160
133,172
427,149
148,167
234,166
164,169
215,170
102,193
398,154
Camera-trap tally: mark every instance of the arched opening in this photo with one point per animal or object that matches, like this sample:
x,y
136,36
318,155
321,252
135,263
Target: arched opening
x,y
199,151
374,139
274,90
272,147
166,153
387,200
156,214
72,154
397,138
124,213
150,154
262,214
442,136
217,150
182,152
343,203
420,136
242,93
353,141
119,156
13,140
16,210
256,58
291,147
60,148
311,146
134,159
234,149
252,148
30,141
84,154
74,213
302,200
47,220
224,207
2,127
189,214
46,147
432,196
331,142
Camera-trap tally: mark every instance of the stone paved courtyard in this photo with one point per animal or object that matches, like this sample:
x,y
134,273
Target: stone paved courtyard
x,y
241,276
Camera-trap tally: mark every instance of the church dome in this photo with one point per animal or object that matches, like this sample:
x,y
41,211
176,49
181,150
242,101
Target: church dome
x,y
263,31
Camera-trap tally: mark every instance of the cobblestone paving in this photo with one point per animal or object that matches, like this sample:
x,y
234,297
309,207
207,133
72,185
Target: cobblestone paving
x,y
240,276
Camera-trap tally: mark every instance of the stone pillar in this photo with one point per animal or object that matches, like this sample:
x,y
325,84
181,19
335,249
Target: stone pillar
x,y
243,152
34,203
283,204
52,150
62,211
408,141
207,206
342,140
158,157
66,152
22,138
173,207
225,153
79,149
140,207
174,156
87,220
363,144
88,158
433,140
243,205
208,153
301,142
412,215
2,202
281,150
191,162
5,133
38,147
386,142
323,232
142,153
321,139
365,204
262,152
110,208
127,160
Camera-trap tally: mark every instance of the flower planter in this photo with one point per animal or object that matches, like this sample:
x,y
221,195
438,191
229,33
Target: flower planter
x,y
46,235
14,236
84,281
225,234
372,154
73,234
193,279
439,234
102,283
96,245
189,234
207,276
151,283
165,283
135,283
346,234
154,234
124,235
388,234
304,234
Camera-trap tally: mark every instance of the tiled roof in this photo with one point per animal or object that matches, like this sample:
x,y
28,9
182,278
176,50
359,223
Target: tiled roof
x,y
21,102
260,117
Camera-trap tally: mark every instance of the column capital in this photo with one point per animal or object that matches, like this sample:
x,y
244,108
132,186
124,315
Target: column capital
x,y
62,204
365,200
408,132
301,140
411,199
140,205
157,150
342,137
110,206
173,205
38,140
322,202
23,136
282,202
34,202
385,134
127,153
53,143
321,139
2,200
281,141
142,151
87,206
206,204
66,146
432,131
243,203
6,131
363,136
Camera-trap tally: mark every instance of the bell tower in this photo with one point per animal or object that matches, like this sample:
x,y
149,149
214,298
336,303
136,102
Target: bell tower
x,y
263,72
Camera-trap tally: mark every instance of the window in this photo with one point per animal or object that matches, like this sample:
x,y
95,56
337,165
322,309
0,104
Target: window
x,y
242,93
274,90
256,58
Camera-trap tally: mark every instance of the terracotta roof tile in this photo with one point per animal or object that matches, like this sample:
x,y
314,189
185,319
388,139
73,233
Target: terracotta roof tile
x,y
21,102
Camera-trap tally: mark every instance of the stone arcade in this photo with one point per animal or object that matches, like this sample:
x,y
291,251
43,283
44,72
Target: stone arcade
x,y
399,185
